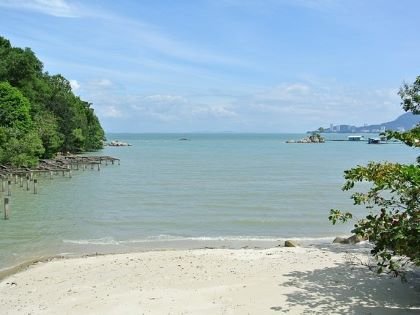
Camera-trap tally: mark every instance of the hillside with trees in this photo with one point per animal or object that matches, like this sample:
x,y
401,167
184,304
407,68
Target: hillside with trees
x,y
39,114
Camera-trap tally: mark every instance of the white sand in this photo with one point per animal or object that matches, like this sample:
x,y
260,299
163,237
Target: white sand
x,y
208,281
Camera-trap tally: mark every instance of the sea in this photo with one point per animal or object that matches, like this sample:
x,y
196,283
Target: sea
x,y
207,190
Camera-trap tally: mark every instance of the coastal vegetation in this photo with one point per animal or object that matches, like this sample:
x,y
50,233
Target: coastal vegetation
x,y
393,200
39,113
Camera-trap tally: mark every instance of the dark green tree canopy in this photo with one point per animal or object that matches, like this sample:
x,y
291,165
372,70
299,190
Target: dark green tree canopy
x,y
14,108
43,105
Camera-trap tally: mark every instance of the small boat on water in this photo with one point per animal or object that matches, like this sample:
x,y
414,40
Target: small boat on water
x,y
374,141
378,140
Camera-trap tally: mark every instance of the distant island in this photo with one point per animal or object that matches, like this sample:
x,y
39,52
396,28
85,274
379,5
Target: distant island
x,y
402,123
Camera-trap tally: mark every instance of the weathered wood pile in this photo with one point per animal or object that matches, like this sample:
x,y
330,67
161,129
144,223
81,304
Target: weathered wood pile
x,y
63,164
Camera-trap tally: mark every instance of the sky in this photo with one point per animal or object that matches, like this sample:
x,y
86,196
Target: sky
x,y
225,65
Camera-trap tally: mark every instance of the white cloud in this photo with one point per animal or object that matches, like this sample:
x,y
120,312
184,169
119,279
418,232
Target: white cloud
x,y
104,82
59,8
285,92
110,111
154,38
74,85
178,108
285,107
310,104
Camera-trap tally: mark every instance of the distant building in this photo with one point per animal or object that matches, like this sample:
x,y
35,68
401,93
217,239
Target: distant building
x,y
383,128
355,138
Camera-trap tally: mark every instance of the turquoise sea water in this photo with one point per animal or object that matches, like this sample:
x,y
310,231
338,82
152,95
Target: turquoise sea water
x,y
214,187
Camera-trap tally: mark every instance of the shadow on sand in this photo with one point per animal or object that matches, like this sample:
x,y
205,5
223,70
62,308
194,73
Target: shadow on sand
x,y
350,289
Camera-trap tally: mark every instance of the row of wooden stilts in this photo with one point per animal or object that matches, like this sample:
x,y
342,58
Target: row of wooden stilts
x,y
26,177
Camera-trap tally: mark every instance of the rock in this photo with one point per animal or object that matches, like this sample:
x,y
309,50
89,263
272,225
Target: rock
x,y
117,143
340,240
351,240
289,243
355,239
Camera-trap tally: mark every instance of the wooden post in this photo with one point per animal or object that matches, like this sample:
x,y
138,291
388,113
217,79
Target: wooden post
x,y
9,183
112,161
69,173
91,166
51,175
99,166
35,186
118,162
84,166
16,178
6,208
3,185
27,182
106,162
21,181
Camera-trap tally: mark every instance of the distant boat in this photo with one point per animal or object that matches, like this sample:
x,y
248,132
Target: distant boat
x,y
374,141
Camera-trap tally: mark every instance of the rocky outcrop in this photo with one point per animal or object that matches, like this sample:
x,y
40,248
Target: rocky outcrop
x,y
116,143
289,243
349,240
314,138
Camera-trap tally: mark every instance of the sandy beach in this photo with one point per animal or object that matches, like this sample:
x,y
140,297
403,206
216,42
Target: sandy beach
x,y
209,281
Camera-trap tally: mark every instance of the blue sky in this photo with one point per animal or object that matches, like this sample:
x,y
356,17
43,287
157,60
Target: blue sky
x,y
225,65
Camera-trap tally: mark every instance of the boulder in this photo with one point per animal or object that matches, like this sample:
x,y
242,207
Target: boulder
x,y
355,239
289,243
350,240
340,240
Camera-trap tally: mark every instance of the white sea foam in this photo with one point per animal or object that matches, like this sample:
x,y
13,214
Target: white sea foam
x,y
171,238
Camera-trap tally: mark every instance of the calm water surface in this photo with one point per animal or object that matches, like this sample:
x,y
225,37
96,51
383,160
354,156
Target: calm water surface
x,y
215,187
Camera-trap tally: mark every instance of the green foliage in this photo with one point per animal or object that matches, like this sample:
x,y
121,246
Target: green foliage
x,y
393,200
42,104
410,96
316,137
47,127
14,108
20,149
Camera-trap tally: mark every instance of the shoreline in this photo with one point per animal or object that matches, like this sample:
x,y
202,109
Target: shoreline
x,y
99,247
209,281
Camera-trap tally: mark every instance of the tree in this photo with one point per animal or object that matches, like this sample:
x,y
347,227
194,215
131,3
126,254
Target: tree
x,y
393,200
14,108
62,120
20,144
20,149
47,127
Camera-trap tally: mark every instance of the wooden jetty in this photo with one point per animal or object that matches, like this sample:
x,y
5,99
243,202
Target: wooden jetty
x,y
63,164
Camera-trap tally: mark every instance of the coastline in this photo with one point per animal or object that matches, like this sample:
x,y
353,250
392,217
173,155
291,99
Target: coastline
x,y
109,246
312,279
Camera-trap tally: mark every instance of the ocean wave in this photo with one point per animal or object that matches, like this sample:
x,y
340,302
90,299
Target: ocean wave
x,y
96,241
172,238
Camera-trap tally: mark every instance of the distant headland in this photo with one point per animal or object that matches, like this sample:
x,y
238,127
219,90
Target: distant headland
x,y
402,123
